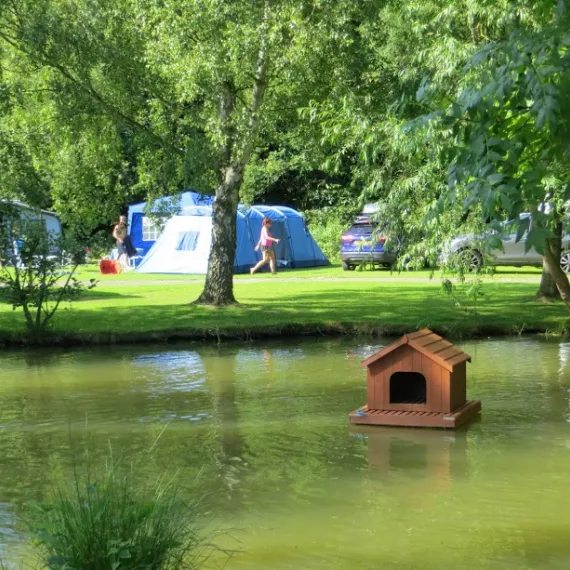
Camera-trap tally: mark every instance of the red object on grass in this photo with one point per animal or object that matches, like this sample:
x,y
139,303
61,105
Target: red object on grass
x,y
110,267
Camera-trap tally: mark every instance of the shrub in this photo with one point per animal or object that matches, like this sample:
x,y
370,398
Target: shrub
x,y
327,225
116,524
37,269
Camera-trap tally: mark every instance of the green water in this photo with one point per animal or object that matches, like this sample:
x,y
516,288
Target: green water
x,y
264,430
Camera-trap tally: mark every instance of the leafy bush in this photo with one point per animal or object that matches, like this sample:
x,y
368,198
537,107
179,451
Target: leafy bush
x,y
327,225
37,269
99,244
115,524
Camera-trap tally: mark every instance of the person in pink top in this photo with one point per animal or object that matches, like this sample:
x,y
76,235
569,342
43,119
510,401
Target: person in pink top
x,y
266,243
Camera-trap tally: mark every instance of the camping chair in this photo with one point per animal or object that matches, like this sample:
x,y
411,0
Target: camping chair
x,y
136,259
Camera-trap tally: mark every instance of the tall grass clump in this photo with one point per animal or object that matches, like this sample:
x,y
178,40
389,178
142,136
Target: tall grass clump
x,y
115,524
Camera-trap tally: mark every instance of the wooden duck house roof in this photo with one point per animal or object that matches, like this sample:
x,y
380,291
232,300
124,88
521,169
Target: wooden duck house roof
x,y
430,345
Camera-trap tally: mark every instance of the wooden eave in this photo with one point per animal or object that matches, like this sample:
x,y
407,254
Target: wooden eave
x,y
429,344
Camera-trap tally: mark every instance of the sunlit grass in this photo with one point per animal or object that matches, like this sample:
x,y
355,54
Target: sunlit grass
x,y
274,305
333,271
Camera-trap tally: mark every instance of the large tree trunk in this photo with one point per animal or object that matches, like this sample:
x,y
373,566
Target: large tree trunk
x,y
547,288
552,261
219,286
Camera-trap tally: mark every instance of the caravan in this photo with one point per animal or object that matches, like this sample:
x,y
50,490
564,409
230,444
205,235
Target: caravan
x,y
15,216
25,213
184,245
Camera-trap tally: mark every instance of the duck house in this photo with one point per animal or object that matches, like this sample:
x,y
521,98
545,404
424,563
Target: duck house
x,y
419,381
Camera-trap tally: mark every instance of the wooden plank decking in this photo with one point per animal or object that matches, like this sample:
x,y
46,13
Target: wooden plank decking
x,y
416,419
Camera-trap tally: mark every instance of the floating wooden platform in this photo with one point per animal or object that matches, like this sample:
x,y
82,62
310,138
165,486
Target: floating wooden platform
x,y
449,420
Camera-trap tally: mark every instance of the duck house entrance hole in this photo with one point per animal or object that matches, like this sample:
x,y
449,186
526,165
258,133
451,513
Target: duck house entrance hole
x,y
407,388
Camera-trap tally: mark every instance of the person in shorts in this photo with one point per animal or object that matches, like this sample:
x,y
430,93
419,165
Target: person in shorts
x,y
125,248
266,242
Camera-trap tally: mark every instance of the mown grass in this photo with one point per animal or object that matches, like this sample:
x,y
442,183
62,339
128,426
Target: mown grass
x,y
139,312
333,271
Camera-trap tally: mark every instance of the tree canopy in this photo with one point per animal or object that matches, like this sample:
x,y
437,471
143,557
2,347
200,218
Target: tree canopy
x,y
143,95
451,113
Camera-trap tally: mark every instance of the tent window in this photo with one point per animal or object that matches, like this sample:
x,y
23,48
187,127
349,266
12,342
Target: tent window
x,y
150,231
187,241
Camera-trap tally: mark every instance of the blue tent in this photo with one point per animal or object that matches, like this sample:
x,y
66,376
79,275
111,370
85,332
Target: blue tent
x,y
184,245
296,248
143,232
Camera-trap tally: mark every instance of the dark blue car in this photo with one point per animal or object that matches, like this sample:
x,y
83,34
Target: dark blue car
x,y
364,243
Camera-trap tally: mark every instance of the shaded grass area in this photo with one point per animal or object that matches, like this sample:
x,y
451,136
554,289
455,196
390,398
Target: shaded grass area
x,y
150,313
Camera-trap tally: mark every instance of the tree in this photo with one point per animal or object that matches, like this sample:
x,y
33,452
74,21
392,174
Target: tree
x,y
189,85
468,87
63,154
405,168
497,98
510,120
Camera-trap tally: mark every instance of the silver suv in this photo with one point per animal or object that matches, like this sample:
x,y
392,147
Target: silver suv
x,y
469,247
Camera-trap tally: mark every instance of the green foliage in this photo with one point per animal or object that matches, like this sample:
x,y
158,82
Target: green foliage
x,y
142,97
451,114
112,523
37,272
125,99
98,245
466,294
327,225
462,122
506,121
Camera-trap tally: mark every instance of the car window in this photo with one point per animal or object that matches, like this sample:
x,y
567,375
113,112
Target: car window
x,y
510,224
364,229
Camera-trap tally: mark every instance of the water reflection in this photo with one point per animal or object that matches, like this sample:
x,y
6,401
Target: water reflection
x,y
428,460
231,447
8,534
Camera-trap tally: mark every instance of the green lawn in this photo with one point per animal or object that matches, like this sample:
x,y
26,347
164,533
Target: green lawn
x,y
333,271
121,312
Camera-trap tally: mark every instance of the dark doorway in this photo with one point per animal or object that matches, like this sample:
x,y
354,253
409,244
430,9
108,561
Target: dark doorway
x,y
407,388
282,250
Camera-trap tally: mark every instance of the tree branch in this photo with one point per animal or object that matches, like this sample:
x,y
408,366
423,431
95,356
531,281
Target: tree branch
x,y
62,292
89,89
259,88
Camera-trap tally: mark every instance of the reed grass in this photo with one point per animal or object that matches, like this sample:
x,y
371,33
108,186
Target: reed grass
x,y
114,523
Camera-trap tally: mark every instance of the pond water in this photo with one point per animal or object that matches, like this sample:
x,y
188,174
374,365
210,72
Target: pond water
x,y
264,430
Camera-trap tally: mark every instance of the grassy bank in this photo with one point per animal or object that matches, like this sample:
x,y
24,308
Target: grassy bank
x,y
150,312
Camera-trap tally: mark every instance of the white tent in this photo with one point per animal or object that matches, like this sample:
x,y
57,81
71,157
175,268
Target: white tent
x,y
183,247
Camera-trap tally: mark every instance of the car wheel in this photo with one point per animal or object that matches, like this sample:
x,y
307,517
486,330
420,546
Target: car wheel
x,y
346,266
565,261
471,259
